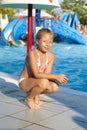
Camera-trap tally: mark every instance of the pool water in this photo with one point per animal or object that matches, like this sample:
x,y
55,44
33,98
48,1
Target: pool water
x,y
71,60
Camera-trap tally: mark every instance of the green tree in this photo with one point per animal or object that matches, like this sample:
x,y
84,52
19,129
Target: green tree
x,y
49,11
56,12
76,6
9,11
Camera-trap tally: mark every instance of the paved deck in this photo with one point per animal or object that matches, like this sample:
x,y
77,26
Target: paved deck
x,y
65,110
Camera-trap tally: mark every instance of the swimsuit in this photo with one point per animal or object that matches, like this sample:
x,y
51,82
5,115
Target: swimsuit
x,y
21,79
41,68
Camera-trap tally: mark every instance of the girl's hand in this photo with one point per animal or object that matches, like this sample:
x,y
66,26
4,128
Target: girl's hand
x,y
61,78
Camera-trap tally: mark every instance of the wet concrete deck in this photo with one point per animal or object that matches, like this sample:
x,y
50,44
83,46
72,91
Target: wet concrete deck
x,y
65,110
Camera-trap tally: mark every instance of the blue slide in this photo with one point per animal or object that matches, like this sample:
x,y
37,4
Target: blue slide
x,y
15,29
67,32
66,18
66,29
74,22
19,29
6,32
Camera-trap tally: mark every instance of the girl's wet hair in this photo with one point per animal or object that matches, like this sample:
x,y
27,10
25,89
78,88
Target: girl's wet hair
x,y
43,31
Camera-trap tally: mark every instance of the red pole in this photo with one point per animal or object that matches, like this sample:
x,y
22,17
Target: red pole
x,y
29,43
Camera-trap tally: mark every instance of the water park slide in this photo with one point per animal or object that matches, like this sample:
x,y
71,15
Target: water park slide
x,y
6,32
61,29
75,21
14,30
66,17
19,29
69,30
66,28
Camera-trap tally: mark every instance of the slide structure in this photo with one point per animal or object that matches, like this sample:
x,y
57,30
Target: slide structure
x,y
66,28
19,29
63,29
13,31
67,32
74,21
6,32
66,18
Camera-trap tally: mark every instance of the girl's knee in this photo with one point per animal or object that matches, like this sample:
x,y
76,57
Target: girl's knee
x,y
43,83
54,87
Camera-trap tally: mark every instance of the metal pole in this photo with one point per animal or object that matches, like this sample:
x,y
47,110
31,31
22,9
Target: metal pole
x,y
29,43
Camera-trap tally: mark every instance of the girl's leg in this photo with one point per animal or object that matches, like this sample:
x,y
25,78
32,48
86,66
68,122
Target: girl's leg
x,y
33,98
36,87
37,100
44,87
27,85
53,87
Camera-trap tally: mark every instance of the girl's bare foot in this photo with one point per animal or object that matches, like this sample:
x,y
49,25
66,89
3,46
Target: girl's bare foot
x,y
37,100
30,102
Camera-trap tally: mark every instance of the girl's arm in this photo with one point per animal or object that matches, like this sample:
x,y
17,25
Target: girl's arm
x,y
32,62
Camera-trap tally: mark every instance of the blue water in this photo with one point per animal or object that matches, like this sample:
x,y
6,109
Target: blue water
x,y
71,60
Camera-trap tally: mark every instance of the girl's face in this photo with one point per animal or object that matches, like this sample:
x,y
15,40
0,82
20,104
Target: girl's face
x,y
45,43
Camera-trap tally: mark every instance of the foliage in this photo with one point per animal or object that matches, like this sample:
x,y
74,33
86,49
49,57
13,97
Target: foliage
x,y
49,11
76,6
9,11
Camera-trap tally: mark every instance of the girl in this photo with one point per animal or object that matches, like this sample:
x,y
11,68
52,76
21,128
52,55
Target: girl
x,y
36,77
